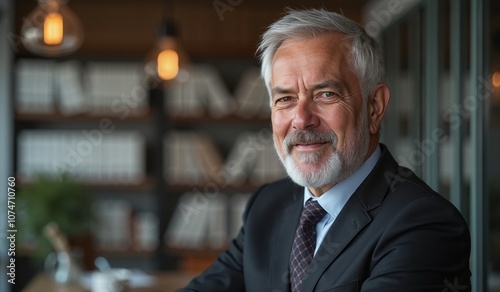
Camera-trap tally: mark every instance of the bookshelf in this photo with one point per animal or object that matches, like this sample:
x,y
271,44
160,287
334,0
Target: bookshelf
x,y
150,154
237,145
66,120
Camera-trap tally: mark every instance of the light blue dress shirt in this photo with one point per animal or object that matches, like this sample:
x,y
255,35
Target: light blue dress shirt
x,y
335,198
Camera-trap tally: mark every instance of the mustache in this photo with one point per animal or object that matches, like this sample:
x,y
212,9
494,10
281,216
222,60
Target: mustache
x,y
308,137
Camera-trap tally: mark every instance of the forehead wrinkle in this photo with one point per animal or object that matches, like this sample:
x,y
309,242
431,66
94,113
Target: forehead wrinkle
x,y
280,90
328,84
336,57
331,83
336,83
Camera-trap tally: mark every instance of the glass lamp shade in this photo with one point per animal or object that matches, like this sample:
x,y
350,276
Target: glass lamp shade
x,y
495,79
167,61
51,29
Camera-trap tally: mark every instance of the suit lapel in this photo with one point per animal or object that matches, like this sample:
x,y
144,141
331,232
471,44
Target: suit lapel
x,y
288,220
351,220
353,217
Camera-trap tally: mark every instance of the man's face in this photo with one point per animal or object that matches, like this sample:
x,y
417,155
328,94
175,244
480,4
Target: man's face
x,y
319,119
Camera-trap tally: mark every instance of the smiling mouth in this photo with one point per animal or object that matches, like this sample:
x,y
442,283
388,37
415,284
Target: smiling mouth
x,y
309,141
309,146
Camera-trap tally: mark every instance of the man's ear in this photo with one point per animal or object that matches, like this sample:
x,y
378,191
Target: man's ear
x,y
377,104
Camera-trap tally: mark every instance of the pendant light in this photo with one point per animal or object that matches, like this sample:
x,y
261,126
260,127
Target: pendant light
x,y
167,61
51,29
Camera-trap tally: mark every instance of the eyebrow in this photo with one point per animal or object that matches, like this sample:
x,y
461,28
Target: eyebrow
x,y
280,90
325,84
330,83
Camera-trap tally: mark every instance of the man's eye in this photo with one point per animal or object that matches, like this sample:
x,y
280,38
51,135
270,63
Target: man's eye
x,y
284,99
328,94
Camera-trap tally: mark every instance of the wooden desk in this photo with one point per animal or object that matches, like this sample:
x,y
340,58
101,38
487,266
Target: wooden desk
x,y
165,282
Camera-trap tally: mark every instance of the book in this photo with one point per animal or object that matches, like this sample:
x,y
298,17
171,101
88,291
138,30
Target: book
x,y
111,228
217,222
190,158
267,167
202,221
218,99
72,92
186,228
253,159
241,159
89,156
116,89
35,80
251,96
203,92
146,231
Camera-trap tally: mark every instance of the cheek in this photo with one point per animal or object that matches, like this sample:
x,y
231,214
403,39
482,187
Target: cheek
x,y
279,124
336,119
342,123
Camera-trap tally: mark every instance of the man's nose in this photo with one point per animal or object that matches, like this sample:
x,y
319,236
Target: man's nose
x,y
305,116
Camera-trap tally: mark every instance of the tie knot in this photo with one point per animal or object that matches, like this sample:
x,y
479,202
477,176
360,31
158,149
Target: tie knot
x,y
312,213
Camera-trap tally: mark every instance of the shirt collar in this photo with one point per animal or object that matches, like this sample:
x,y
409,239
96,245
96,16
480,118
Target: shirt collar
x,y
335,198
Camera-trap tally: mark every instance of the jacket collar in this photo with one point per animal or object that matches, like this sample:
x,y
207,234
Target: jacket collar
x,y
350,221
354,216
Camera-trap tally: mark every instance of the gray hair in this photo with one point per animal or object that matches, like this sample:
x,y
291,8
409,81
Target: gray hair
x,y
367,60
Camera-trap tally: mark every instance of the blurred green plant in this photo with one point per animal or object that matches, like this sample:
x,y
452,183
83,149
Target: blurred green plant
x,y
48,199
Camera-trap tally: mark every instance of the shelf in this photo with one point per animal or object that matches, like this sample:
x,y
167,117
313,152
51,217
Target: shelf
x,y
145,185
200,252
125,253
148,117
233,119
246,187
59,117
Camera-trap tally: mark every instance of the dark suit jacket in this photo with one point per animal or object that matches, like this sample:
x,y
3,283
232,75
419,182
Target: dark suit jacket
x,y
393,234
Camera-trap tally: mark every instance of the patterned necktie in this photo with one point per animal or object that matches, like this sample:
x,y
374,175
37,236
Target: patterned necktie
x,y
304,243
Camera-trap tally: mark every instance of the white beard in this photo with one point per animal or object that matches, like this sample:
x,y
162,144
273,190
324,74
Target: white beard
x,y
337,167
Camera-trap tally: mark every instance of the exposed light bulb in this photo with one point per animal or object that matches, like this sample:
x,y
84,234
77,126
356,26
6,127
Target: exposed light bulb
x,y
51,29
167,60
168,64
495,79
